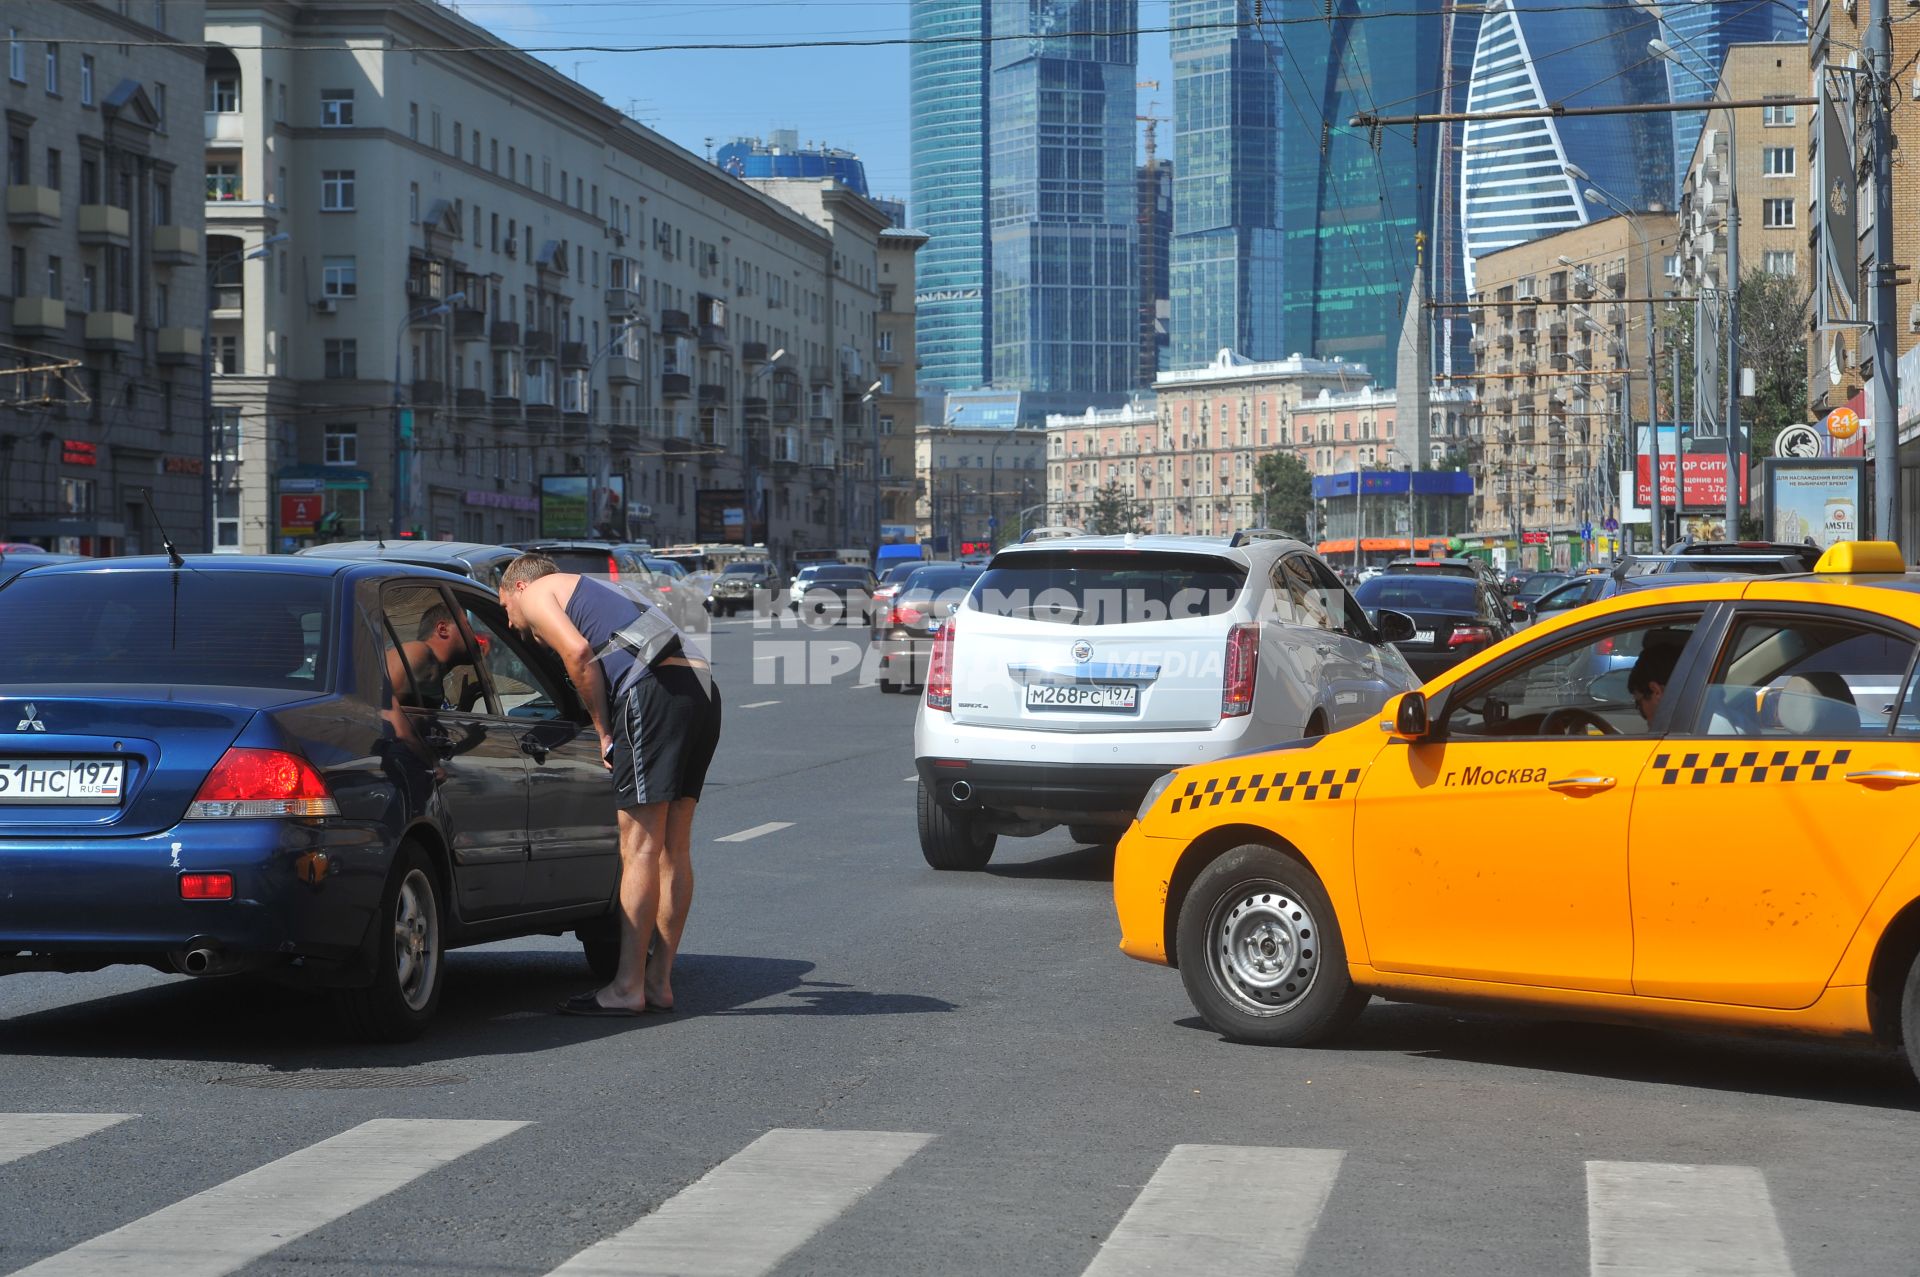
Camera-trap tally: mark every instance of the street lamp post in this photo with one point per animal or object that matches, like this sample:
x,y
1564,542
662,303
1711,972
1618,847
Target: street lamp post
x,y
873,461
749,480
208,491
603,448
1661,49
403,438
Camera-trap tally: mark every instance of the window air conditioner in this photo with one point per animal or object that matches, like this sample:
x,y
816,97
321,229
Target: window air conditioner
x,y
326,306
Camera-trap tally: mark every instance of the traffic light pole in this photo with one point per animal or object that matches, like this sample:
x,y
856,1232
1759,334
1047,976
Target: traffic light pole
x,y
1886,401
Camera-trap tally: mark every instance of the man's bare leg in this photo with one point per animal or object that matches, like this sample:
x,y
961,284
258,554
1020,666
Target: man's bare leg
x,y
643,843
676,899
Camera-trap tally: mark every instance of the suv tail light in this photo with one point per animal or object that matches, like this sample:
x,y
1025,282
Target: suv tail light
x,y
940,669
1465,634
613,568
1243,664
255,784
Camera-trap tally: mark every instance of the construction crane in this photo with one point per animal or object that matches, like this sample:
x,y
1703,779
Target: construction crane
x,y
1151,120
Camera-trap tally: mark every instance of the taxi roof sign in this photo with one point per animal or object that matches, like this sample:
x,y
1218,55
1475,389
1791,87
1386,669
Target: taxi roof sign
x,y
1861,556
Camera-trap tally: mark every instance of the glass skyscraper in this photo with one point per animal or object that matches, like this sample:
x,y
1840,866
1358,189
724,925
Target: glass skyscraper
x,y
1062,219
952,320
1699,34
1294,232
1226,282
1532,53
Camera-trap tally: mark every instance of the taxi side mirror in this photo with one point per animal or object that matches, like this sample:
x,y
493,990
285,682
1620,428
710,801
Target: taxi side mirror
x,y
1407,716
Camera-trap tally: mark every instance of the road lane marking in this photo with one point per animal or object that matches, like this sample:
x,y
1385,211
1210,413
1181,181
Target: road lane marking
x,y
1654,1219
232,1224
758,831
909,779
750,1212
24,1134
1210,1206
757,705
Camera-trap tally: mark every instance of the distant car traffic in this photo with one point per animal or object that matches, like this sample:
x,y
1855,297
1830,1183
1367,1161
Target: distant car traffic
x,y
1080,669
685,598
1756,558
1526,588
833,592
904,626
325,770
745,585
1720,837
1453,616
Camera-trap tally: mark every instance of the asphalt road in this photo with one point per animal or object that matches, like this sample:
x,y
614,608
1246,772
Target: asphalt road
x,y
882,1070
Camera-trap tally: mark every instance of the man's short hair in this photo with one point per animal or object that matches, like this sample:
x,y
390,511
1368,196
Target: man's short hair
x,y
434,617
528,567
1654,666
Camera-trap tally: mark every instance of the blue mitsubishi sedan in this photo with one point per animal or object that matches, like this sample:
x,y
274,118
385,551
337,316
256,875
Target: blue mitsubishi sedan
x,y
327,771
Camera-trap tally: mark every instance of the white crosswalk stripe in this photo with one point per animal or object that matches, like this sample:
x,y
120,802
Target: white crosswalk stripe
x,y
232,1224
1655,1219
1210,1206
751,1211
24,1134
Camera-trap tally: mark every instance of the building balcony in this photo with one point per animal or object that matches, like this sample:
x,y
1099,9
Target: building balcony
x,y
469,398
543,413
539,342
33,206
713,337
104,226
887,358
623,301
753,352
177,345
40,316
224,188
753,405
505,335
427,394
506,397
175,245
819,375
712,396
573,354
622,371
110,330
676,323
675,385
469,324
225,128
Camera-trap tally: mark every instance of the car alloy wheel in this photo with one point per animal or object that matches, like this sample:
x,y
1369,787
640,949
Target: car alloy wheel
x,y
416,940
1263,949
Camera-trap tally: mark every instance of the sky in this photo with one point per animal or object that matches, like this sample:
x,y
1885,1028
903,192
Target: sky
x,y
850,98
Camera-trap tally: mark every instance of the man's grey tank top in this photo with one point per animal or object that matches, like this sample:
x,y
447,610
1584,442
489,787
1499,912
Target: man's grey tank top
x,y
597,611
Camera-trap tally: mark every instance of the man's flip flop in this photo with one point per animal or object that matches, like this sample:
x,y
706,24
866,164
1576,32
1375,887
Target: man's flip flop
x,y
589,1004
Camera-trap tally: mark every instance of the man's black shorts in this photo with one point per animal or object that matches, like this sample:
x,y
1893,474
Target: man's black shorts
x,y
665,730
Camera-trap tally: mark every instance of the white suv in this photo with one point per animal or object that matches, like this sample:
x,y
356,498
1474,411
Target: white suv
x,y
1080,670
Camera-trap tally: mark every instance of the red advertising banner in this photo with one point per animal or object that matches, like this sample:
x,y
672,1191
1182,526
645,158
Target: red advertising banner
x,y
299,512
1706,486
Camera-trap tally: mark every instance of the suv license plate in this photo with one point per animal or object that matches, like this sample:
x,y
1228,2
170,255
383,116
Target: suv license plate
x,y
1118,696
49,780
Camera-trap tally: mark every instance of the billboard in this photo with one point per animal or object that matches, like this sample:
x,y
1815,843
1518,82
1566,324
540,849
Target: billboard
x,y
1702,485
1817,500
568,502
719,515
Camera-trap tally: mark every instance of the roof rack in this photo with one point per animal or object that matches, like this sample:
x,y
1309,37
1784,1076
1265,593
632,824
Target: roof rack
x,y
1246,536
1049,531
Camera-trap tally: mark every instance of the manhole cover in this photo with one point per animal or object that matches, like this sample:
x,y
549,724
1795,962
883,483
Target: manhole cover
x,y
340,1079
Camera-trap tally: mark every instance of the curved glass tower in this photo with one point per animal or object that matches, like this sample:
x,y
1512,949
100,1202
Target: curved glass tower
x,y
1531,53
952,321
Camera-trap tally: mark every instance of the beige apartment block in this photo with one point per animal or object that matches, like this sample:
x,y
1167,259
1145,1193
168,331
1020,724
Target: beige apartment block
x,y
1189,456
981,484
1762,155
102,278
488,275
897,407
1560,332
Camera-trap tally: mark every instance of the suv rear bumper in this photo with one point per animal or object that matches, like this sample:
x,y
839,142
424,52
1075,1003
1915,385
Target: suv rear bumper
x,y
1038,790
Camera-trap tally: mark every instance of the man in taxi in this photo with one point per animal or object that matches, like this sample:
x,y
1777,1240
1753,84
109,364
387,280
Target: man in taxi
x,y
1651,673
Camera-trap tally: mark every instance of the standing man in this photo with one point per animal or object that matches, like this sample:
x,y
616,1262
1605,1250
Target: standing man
x,y
657,712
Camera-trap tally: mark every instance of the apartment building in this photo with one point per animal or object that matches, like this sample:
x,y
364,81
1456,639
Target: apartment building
x,y
1560,343
897,407
979,485
479,276
101,386
1189,457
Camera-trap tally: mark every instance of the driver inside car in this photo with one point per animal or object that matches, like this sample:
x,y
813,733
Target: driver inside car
x,y
1648,681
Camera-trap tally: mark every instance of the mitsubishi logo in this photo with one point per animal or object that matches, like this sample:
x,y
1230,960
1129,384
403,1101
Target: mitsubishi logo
x,y
31,721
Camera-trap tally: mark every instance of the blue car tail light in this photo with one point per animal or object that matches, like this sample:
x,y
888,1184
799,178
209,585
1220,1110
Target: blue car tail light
x,y
256,784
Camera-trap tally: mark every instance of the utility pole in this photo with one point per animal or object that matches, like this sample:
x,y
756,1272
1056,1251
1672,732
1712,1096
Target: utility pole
x,y
1885,406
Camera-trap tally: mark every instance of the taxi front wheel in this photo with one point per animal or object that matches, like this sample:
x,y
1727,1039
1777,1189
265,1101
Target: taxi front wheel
x,y
1910,1017
1260,951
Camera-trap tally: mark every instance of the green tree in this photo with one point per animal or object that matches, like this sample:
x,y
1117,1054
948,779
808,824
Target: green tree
x,y
1286,486
1115,511
1773,342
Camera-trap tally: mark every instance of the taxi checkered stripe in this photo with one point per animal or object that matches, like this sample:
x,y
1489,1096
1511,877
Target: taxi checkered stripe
x,y
1280,786
1753,767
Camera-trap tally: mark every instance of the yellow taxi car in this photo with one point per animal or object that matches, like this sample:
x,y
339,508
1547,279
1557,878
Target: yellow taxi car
x,y
1696,805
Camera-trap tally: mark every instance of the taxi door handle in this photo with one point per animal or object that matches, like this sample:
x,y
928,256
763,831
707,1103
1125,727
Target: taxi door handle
x,y
1581,786
1884,779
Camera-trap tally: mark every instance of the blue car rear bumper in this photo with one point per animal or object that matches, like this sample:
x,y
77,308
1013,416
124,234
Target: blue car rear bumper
x,y
304,895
